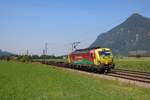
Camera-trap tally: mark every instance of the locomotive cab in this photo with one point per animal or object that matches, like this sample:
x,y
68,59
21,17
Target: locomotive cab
x,y
104,57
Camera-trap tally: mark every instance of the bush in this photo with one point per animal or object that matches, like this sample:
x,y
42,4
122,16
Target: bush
x,y
25,58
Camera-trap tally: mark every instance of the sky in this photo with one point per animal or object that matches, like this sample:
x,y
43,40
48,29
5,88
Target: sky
x,y
29,24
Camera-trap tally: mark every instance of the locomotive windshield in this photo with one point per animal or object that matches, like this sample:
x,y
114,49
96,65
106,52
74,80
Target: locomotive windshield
x,y
104,53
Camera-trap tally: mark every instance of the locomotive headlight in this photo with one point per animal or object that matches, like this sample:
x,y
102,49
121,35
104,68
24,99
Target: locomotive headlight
x,y
106,62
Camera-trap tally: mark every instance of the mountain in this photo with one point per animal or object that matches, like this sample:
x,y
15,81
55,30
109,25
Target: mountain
x,y
130,36
5,53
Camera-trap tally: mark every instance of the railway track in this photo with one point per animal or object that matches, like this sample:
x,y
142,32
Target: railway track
x,y
138,76
131,75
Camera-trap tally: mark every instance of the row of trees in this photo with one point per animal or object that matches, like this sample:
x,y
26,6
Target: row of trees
x,y
22,58
29,58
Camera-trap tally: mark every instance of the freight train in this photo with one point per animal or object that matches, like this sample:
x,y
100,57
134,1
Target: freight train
x,y
97,58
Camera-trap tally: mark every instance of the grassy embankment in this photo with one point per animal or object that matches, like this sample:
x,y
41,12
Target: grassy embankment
x,y
20,81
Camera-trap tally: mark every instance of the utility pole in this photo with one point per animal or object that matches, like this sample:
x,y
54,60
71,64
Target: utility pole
x,y
45,52
27,52
46,48
74,45
43,56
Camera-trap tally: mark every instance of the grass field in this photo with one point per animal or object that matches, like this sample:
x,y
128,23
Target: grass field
x,y
20,81
139,64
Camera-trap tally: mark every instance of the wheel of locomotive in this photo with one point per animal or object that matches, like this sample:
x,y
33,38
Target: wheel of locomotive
x,y
85,67
75,66
78,67
109,70
92,68
99,68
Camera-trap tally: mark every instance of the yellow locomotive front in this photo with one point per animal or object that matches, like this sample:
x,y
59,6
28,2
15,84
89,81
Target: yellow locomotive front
x,y
104,57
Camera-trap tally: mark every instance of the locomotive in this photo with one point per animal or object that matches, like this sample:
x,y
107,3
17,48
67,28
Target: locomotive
x,y
100,58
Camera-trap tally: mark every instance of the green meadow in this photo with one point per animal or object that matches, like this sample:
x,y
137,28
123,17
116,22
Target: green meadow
x,y
33,81
131,63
